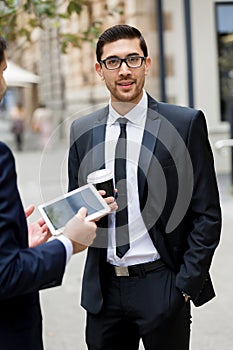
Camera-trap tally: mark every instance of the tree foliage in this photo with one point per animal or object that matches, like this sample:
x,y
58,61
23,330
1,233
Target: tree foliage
x,y
36,13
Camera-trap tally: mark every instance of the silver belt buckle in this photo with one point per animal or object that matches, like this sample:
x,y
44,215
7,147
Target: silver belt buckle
x,y
121,271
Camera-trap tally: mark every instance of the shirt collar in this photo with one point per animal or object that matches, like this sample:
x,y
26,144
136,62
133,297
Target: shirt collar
x,y
136,115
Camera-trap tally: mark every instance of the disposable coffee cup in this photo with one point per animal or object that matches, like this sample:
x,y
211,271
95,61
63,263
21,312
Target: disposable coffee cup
x,y
102,180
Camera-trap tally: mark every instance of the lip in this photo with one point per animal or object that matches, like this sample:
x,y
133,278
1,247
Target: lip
x,y
125,84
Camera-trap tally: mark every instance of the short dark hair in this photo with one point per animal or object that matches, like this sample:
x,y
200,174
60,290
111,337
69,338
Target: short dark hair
x,y
2,48
117,32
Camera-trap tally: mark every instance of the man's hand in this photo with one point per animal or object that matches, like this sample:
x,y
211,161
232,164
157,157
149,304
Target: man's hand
x,y
186,297
29,210
81,233
109,200
38,231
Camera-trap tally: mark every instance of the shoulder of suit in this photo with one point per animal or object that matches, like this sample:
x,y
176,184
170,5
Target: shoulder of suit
x,y
91,117
178,115
5,150
7,163
164,107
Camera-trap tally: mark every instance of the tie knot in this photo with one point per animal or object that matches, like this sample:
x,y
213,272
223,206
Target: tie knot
x,y
122,122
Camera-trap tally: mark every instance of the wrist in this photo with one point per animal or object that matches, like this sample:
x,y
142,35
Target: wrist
x,y
78,247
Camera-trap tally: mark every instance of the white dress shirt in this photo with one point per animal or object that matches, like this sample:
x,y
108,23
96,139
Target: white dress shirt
x,y
68,246
141,247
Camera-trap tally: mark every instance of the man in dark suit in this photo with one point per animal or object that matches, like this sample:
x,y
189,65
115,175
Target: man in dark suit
x,y
25,270
172,218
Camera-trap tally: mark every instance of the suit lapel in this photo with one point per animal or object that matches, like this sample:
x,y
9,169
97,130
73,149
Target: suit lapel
x,y
148,143
98,134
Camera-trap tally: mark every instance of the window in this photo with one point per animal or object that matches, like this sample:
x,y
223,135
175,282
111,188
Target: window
x,y
224,23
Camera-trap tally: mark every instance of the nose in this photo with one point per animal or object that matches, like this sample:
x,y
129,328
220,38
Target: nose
x,y
124,69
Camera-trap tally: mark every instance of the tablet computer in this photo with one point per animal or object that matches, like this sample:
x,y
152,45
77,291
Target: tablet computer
x,y
60,210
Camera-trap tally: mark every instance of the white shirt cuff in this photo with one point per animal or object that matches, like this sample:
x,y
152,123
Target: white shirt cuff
x,y
68,246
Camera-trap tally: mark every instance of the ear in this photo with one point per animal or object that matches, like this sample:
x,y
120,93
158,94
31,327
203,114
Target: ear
x,y
147,65
99,70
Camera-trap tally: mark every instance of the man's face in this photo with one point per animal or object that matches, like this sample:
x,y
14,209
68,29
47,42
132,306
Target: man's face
x,y
3,66
125,84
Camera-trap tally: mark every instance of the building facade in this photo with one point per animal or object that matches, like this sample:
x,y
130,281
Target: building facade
x,y
190,43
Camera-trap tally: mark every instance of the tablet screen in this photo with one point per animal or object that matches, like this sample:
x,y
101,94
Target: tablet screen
x,y
59,211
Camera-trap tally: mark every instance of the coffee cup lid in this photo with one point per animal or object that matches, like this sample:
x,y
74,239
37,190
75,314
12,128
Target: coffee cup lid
x,y
99,176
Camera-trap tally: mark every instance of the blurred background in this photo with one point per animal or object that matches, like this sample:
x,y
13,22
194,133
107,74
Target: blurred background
x,y
51,81
52,54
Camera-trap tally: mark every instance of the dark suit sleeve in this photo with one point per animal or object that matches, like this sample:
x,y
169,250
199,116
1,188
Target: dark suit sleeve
x,y
204,212
73,160
22,269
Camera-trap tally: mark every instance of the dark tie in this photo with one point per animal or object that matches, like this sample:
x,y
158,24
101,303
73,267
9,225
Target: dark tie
x,y
122,230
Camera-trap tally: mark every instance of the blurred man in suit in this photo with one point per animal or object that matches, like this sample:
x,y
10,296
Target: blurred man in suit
x,y
25,270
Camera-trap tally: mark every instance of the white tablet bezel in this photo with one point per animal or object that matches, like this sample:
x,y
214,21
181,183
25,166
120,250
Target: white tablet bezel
x,y
104,210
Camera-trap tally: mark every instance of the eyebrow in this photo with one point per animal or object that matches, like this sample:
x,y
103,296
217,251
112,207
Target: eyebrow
x,y
129,55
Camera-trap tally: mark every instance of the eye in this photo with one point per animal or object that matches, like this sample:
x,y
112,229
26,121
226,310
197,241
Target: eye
x,y
133,59
112,62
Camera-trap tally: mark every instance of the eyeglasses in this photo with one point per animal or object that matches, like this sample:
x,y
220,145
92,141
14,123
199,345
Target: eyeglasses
x,y
112,63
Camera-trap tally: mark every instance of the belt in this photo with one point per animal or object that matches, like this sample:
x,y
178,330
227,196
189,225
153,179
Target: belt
x,y
135,270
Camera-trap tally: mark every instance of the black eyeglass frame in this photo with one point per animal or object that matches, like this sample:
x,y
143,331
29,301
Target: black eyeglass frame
x,y
121,60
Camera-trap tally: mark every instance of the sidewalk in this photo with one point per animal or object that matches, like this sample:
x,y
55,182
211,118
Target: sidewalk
x,y
44,176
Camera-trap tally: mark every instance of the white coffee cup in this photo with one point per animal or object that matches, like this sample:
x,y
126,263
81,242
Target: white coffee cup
x,y
103,180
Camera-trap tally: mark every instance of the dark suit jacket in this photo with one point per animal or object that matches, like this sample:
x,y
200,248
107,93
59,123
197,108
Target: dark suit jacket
x,y
178,194
23,271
